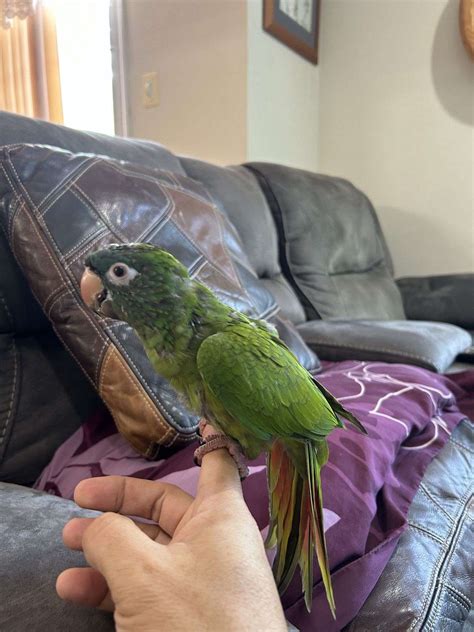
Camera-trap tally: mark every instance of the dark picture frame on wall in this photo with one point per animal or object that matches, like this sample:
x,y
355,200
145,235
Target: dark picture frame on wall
x,y
295,23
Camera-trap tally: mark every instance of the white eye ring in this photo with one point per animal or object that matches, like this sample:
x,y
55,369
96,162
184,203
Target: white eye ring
x,y
121,274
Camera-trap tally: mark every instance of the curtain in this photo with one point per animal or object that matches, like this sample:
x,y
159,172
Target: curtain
x,y
29,66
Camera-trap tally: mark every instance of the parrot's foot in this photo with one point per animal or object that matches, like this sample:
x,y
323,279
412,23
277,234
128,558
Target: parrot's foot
x,y
214,441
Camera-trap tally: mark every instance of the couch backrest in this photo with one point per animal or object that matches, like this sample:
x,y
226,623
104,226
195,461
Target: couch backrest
x,y
331,246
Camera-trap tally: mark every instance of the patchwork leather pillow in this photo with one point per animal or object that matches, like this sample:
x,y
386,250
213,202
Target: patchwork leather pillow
x,y
57,207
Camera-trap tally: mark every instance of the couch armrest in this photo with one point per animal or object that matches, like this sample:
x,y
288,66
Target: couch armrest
x,y
447,298
438,527
31,557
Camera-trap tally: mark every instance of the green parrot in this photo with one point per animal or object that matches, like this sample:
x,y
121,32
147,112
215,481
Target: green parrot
x,y
237,373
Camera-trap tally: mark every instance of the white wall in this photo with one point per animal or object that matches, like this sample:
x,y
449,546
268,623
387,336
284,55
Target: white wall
x,y
229,92
85,63
198,48
396,118
282,99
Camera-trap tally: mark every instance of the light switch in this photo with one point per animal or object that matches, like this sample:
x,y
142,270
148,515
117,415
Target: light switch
x,y
150,90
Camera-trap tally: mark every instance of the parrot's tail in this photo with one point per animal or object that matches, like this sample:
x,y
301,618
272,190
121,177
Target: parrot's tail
x,y
296,515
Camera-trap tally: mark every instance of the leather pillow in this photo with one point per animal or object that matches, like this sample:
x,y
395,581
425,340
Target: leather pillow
x,y
58,207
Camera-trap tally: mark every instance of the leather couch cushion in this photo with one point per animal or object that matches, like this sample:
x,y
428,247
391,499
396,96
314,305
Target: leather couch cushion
x,y
334,252
59,206
430,345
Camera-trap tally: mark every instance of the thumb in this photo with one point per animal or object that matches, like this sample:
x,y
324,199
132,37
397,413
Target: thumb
x,y
219,471
115,546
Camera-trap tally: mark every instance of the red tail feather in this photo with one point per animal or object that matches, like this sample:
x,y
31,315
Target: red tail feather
x,y
296,516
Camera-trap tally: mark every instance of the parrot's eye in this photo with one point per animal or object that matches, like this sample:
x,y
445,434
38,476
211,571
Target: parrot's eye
x,y
119,271
121,274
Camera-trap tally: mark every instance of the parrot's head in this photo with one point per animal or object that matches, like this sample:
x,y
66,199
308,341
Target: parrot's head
x,y
132,281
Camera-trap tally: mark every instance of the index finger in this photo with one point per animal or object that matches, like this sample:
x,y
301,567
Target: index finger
x,y
163,503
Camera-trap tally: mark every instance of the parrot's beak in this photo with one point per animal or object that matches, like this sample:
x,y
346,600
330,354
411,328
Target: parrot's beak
x,y
94,294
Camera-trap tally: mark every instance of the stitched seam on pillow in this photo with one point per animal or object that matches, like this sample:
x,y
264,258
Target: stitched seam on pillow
x,y
204,194
158,181
17,197
65,278
92,233
67,182
93,238
87,201
9,416
179,186
19,182
200,250
86,373
427,534
158,224
218,219
58,291
197,266
396,352
104,339
125,368
13,206
220,223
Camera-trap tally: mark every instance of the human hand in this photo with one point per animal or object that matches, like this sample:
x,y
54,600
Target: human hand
x,y
203,568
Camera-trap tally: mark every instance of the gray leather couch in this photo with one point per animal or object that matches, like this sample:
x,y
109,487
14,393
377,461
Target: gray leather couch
x,y
316,244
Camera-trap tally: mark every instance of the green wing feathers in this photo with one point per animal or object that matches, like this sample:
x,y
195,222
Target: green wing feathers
x,y
262,385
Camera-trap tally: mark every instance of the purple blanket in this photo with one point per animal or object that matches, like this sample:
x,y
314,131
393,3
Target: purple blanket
x,y
368,483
